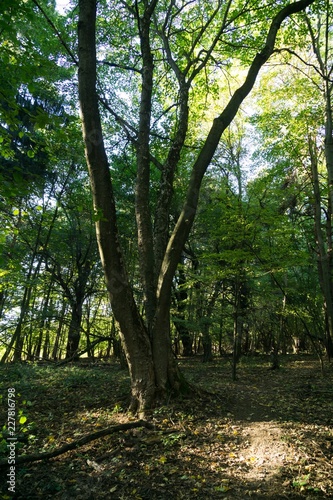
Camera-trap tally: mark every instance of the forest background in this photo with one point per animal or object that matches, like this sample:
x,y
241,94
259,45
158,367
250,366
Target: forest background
x,y
212,203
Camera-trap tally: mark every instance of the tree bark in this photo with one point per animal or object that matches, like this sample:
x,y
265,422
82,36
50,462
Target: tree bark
x,y
142,194
181,297
74,331
132,328
133,331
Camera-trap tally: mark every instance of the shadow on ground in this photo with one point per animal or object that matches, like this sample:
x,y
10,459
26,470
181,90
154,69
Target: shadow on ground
x,y
266,436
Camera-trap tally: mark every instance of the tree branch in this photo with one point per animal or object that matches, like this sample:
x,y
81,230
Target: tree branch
x,y
120,66
57,32
309,65
80,442
127,127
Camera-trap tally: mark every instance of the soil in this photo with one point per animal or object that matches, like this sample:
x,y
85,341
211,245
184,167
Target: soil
x,y
267,435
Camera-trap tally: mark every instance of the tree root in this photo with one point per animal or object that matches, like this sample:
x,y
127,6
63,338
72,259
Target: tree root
x,y
80,442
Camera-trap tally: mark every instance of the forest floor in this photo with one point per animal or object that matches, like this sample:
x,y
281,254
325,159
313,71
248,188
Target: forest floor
x,y
268,435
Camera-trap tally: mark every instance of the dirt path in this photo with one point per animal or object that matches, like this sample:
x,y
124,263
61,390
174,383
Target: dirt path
x,y
263,450
264,454
284,420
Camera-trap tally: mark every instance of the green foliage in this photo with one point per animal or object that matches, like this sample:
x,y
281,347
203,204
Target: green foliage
x,y
253,232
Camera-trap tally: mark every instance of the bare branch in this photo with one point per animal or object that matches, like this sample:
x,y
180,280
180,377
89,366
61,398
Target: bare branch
x,y
120,66
80,442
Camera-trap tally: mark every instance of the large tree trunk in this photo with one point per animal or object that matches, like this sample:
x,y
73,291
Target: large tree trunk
x,y
133,331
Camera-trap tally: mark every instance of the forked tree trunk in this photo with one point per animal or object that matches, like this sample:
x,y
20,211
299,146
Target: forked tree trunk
x,y
147,345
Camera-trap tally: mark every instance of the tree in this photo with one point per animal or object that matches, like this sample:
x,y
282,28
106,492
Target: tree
x,y
73,263
287,241
188,38
321,40
35,151
306,152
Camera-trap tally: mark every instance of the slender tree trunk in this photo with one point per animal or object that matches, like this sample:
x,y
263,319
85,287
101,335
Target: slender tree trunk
x,y
207,342
275,362
241,301
29,336
56,353
74,331
237,343
3,294
16,342
324,255
38,346
186,339
322,49
221,351
142,205
181,297
206,321
329,228
47,346
42,322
